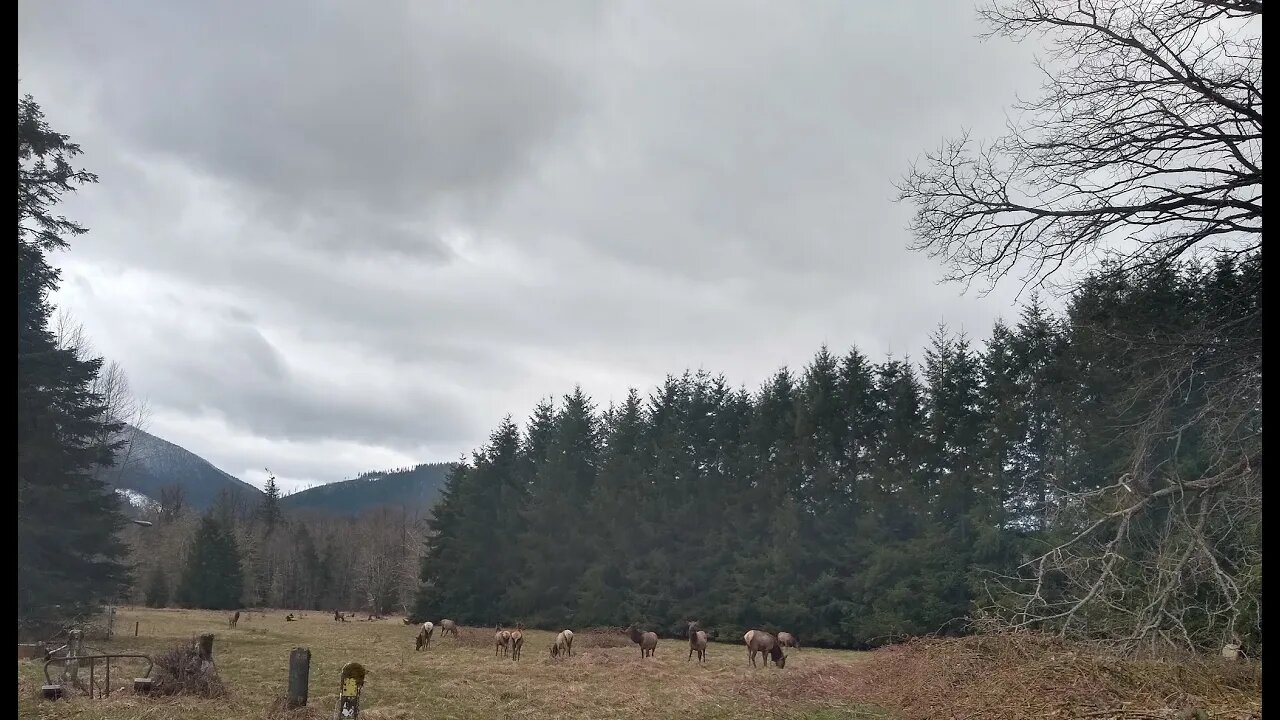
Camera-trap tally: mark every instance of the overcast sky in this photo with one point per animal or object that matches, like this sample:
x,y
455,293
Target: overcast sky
x,y
336,237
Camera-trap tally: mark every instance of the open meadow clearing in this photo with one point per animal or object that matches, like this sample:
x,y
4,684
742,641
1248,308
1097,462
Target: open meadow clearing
x,y
454,678
807,325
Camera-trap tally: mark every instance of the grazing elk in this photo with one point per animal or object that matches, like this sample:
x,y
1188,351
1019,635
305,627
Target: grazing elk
x,y
517,641
234,619
648,641
339,617
563,644
787,640
448,627
424,636
289,618
697,642
501,641
759,641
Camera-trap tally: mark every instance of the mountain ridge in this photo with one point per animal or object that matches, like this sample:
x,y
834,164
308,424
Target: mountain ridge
x,y
148,463
418,486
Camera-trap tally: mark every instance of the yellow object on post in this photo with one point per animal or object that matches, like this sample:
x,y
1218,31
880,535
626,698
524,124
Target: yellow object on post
x,y
352,681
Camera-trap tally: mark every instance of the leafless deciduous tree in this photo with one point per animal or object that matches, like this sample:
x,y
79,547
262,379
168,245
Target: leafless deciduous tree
x,y
119,404
1145,144
387,558
171,504
1145,147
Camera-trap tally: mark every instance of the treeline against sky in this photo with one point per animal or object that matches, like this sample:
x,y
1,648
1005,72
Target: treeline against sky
x,y
856,500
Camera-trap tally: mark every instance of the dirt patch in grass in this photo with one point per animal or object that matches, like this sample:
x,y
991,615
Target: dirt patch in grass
x,y
1011,677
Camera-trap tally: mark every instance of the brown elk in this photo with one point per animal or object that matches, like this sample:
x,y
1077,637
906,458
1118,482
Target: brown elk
x,y
339,617
787,640
648,641
759,641
448,627
563,644
289,618
501,641
517,641
697,642
424,636
234,619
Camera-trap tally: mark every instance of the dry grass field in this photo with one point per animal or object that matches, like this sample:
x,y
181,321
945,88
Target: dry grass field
x,y
454,678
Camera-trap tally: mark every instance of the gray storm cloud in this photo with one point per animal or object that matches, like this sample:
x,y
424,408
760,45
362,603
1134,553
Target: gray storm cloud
x,y
345,234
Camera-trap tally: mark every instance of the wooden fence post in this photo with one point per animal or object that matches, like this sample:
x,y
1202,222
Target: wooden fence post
x,y
135,627
349,698
71,668
299,676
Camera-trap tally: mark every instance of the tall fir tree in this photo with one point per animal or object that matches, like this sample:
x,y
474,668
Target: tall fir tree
x,y
603,593
211,576
157,592
552,548
70,556
269,510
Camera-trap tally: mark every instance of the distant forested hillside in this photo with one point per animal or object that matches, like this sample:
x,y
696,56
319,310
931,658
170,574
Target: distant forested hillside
x,y
148,463
416,487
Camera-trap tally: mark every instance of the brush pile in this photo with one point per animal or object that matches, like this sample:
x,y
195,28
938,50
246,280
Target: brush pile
x,y
181,671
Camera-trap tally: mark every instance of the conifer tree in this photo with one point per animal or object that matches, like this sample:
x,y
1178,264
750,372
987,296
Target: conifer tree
x,y
604,590
269,510
157,594
552,548
211,577
70,556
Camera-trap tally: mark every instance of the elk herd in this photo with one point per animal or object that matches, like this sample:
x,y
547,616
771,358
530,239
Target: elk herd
x,y
509,643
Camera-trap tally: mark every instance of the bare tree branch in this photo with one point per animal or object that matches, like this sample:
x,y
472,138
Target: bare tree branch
x,y
1145,145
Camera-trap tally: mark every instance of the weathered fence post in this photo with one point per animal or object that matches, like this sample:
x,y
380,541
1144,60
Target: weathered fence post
x,y
299,676
71,669
135,627
349,699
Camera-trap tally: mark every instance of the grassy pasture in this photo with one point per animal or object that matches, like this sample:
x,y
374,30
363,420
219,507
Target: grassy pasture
x,y
459,678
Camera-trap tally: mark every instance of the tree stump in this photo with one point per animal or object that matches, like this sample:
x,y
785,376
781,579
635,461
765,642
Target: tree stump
x,y
205,649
